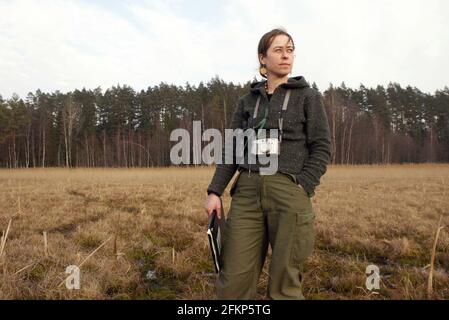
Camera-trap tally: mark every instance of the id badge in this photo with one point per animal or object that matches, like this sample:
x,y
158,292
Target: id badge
x,y
265,146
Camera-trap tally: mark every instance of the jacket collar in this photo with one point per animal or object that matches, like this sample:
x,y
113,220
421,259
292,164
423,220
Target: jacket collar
x,y
292,83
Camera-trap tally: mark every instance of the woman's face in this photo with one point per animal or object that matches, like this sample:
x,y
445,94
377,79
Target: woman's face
x,y
279,57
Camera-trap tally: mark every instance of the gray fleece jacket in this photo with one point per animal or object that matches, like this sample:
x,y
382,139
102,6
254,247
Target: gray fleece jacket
x,y
306,145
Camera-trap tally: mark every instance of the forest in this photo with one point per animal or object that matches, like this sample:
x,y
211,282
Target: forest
x,y
120,127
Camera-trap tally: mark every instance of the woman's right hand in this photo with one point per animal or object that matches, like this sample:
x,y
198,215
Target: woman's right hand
x,y
213,203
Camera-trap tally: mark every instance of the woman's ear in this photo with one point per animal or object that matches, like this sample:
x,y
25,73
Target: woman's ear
x,y
261,59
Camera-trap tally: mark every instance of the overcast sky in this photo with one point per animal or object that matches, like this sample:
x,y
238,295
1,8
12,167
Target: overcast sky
x,y
70,44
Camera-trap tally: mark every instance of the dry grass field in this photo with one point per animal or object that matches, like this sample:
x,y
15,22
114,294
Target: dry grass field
x,y
153,220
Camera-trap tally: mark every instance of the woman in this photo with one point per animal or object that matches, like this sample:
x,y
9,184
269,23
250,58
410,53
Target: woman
x,y
273,209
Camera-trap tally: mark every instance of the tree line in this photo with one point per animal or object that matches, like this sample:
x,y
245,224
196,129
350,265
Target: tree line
x,y
124,128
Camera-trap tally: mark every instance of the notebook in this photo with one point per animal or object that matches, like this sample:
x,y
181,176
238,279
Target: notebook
x,y
214,235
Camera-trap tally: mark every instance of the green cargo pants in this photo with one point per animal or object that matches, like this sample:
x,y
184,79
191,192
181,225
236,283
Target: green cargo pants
x,y
265,209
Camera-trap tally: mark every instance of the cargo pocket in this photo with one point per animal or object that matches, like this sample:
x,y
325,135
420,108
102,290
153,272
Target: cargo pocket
x,y
303,238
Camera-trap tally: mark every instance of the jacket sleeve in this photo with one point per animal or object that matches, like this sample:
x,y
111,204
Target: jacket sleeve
x,y
318,142
224,172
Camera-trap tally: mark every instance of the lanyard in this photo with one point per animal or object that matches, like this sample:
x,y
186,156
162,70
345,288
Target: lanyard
x,y
282,113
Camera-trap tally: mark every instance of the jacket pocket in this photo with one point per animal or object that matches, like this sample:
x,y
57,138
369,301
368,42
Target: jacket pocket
x,y
303,238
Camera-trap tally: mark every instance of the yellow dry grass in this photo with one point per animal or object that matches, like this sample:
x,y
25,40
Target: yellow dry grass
x,y
153,219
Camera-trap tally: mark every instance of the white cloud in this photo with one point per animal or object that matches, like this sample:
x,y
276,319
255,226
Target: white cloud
x,y
377,42
63,45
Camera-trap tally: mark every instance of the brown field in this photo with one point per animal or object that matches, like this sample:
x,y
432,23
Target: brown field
x,y
153,219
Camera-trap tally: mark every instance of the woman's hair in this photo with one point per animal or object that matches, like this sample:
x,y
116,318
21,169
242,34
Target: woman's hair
x,y
266,40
